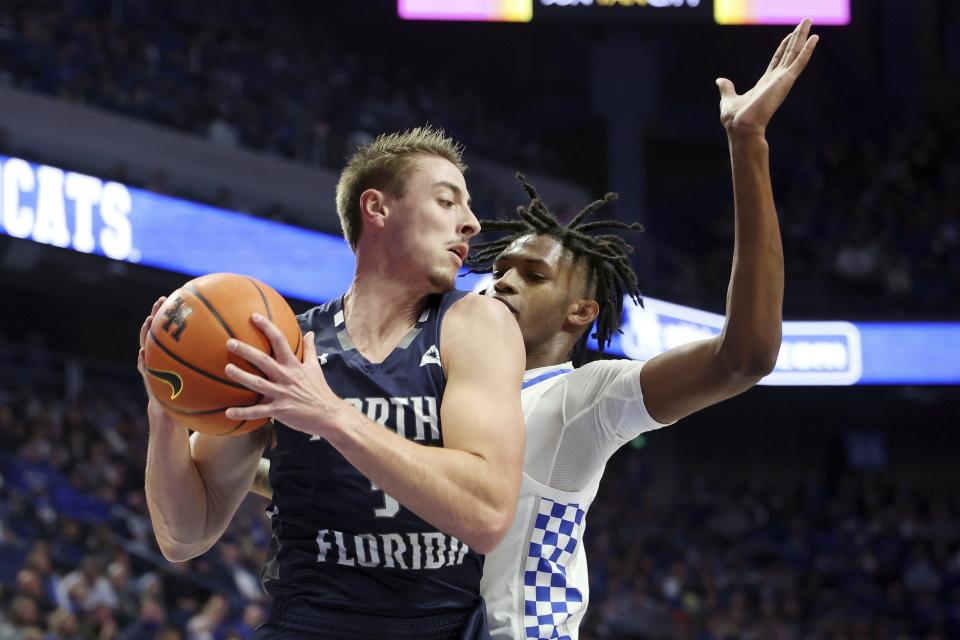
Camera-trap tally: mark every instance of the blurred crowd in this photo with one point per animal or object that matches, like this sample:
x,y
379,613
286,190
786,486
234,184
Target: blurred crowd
x,y
865,220
870,227
857,559
882,217
78,559
277,77
863,559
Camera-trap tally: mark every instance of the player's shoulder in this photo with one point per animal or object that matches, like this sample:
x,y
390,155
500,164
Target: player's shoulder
x,y
477,328
312,319
600,373
474,313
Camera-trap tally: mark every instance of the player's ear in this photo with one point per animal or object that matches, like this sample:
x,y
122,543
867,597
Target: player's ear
x,y
582,312
373,209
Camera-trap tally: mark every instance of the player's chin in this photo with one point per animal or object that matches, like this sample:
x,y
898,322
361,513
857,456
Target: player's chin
x,y
443,280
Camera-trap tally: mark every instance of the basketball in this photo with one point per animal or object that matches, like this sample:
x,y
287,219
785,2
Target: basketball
x,y
185,352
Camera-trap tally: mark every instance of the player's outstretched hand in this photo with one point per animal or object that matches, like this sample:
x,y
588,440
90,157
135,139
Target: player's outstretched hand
x,y
751,112
294,393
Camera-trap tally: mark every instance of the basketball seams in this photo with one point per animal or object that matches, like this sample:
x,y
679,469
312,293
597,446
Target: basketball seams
x,y
188,413
263,296
195,292
193,367
266,305
239,424
202,412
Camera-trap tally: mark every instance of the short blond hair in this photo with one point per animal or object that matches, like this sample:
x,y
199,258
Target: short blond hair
x,y
385,164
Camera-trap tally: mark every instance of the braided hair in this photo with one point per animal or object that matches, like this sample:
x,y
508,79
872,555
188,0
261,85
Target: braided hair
x,y
606,255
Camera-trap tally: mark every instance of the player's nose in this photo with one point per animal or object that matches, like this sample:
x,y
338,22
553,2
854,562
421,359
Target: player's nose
x,y
469,225
506,283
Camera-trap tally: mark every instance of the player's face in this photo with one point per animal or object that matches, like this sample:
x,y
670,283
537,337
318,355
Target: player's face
x,y
432,223
536,278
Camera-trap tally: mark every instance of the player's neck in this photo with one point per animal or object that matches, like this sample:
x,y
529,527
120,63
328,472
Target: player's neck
x,y
554,351
379,312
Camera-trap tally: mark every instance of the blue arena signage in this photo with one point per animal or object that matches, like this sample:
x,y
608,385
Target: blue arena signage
x,y
815,353
83,213
89,215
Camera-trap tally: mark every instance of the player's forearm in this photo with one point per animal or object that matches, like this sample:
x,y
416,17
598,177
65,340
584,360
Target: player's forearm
x,y
195,484
175,491
751,335
458,492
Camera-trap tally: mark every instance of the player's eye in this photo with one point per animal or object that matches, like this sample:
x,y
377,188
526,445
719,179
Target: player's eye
x,y
497,274
445,203
536,276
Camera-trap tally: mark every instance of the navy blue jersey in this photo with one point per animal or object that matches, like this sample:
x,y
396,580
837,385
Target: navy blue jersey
x,y
338,541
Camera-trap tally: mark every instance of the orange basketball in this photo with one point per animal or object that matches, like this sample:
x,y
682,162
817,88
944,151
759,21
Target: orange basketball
x,y
186,350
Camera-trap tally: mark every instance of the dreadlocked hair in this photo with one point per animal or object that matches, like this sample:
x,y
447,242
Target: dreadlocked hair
x,y
606,255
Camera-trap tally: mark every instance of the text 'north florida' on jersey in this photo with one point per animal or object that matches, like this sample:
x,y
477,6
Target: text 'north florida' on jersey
x,y
339,542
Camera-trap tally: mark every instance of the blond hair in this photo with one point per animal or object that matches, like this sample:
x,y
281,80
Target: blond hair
x,y
385,164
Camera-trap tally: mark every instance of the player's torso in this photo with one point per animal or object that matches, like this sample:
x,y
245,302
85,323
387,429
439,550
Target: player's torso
x,y
339,541
535,582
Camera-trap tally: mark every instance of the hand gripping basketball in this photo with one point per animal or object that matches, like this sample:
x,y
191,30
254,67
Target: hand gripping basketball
x,y
144,329
154,408
184,348
294,393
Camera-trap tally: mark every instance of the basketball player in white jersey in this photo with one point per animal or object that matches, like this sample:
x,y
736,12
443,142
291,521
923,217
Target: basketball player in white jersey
x,y
558,281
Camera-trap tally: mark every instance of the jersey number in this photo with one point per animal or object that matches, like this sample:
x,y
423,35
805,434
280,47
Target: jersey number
x,y
390,506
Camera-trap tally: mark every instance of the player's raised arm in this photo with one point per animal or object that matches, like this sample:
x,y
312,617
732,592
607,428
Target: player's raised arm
x,y
691,377
193,484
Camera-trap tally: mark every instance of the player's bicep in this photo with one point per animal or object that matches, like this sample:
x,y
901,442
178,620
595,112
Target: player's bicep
x,y
481,411
688,378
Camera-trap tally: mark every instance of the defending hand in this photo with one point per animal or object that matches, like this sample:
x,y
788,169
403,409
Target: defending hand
x,y
751,111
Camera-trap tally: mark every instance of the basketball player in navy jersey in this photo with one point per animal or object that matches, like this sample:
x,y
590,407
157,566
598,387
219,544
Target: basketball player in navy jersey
x,y
558,281
394,468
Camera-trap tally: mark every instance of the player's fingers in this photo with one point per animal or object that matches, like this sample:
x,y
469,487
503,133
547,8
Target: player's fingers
x,y
778,54
253,412
800,63
250,381
727,90
144,330
262,361
278,342
145,327
786,58
309,348
796,44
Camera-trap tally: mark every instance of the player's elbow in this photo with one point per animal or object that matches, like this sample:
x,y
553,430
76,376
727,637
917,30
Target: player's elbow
x,y
177,551
486,538
752,361
493,527
755,366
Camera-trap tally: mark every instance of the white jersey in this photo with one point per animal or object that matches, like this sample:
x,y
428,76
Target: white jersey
x,y
535,583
